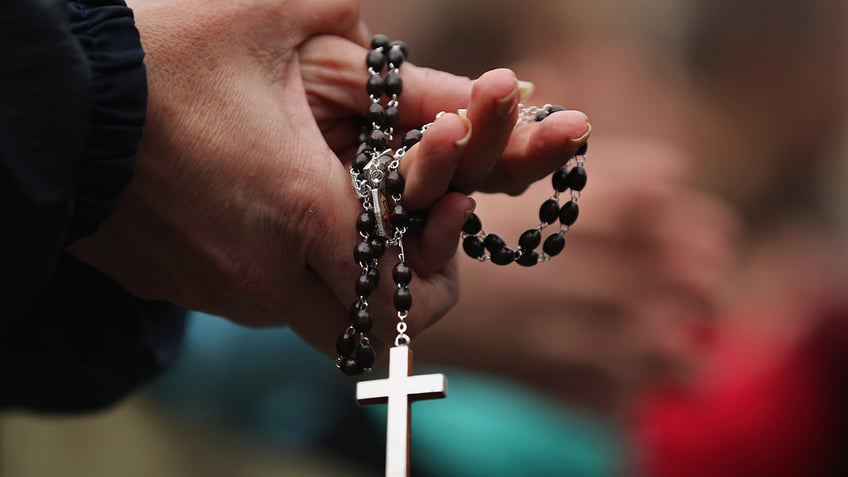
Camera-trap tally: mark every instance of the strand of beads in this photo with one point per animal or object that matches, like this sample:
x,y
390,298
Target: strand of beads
x,y
384,220
571,177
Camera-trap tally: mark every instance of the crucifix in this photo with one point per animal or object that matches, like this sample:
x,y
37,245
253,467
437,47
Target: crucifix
x,y
399,390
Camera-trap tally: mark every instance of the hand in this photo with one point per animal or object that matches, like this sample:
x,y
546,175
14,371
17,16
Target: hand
x,y
239,205
649,256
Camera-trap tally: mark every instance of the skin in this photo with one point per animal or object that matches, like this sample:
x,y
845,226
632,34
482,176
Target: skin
x,y
241,203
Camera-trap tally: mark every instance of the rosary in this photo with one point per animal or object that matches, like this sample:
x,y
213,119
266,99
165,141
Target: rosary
x,y
383,224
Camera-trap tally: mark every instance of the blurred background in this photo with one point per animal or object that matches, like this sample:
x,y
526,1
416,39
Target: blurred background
x,y
695,325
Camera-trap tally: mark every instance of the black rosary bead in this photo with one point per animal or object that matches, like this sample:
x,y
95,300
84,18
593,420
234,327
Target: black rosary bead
x,y
376,113
504,256
554,244
361,160
549,211
473,246
494,243
361,320
363,253
392,115
541,115
375,60
403,299
374,276
581,151
568,213
416,221
380,41
530,239
556,109
411,138
365,223
402,274
346,343
472,225
399,45
577,178
362,139
364,356
396,57
394,84
394,182
378,247
376,86
364,285
349,367
377,139
559,179
400,216
528,258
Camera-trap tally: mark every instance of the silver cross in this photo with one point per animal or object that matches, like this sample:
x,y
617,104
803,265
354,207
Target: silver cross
x,y
399,390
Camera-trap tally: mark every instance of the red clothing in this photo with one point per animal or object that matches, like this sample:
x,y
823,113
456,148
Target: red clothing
x,y
787,419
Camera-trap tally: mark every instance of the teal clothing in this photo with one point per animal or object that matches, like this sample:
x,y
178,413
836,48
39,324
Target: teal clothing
x,y
272,386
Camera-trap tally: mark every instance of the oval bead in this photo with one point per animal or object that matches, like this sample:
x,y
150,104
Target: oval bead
x,y
364,285
402,274
559,180
377,139
581,151
376,113
365,223
375,60
397,44
530,239
528,258
392,116
362,252
556,109
379,41
396,57
364,356
374,276
554,244
504,256
472,225
395,183
577,178
403,299
376,86
378,247
541,115
346,343
400,216
361,320
493,243
549,211
415,221
394,84
568,213
361,160
473,246
349,367
411,138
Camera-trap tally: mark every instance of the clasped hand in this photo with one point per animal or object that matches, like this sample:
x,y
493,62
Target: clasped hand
x,y
241,203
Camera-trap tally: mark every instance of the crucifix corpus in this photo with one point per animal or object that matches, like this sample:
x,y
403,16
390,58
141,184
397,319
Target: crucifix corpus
x,y
399,390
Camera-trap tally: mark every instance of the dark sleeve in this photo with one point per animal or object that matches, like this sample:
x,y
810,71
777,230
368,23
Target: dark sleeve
x,y
73,91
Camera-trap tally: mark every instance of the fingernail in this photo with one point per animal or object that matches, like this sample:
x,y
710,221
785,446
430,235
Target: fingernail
x,y
471,207
462,142
508,103
585,136
525,89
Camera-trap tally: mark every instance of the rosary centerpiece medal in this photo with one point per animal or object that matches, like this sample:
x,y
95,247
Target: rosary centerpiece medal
x,y
382,226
